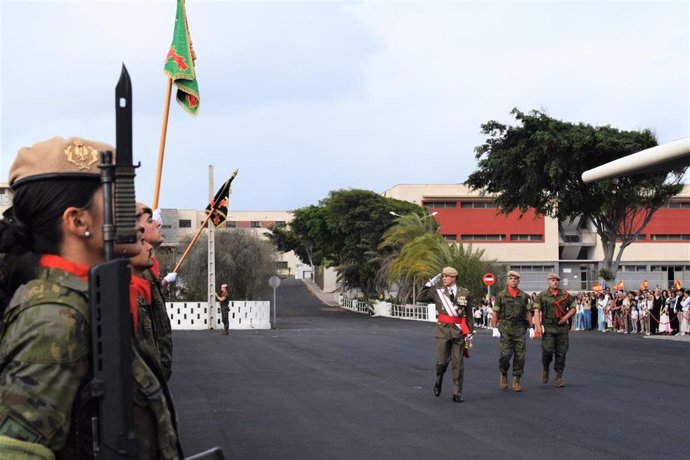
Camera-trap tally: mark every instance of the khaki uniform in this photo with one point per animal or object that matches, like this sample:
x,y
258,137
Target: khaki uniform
x,y
555,336
450,341
44,362
513,314
161,325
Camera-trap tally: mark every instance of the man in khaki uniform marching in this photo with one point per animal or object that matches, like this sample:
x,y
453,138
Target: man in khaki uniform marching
x,y
455,325
552,309
512,314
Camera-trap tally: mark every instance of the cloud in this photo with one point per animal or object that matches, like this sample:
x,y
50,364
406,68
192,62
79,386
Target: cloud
x,y
308,97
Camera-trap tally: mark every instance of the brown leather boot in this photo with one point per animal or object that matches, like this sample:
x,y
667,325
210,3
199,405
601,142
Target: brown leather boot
x,y
544,376
559,380
516,383
503,381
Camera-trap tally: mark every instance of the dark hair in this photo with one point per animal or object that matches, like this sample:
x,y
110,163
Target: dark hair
x,y
31,227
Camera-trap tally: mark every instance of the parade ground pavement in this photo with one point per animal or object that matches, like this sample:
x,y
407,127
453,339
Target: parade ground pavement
x,y
327,383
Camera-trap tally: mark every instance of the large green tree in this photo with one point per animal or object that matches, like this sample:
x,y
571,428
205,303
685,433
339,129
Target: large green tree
x,y
538,164
343,231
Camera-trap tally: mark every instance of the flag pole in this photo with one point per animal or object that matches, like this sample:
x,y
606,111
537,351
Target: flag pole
x,y
189,247
161,146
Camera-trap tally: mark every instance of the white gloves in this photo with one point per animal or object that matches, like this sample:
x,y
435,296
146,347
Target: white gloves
x,y
157,217
495,333
434,280
170,277
531,332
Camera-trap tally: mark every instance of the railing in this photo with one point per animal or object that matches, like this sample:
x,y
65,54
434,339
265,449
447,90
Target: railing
x,y
390,310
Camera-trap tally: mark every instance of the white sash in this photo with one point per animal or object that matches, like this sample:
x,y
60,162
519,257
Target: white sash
x,y
447,305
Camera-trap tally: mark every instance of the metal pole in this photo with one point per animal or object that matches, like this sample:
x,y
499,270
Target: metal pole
x,y
274,307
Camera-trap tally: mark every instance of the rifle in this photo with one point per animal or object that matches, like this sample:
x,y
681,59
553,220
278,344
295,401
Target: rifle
x,y
111,324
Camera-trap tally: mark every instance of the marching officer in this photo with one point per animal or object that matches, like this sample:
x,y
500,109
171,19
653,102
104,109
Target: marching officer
x,y
454,328
553,308
512,314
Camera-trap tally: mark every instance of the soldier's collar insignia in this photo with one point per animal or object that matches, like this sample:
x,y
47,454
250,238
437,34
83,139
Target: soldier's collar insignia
x,y
81,155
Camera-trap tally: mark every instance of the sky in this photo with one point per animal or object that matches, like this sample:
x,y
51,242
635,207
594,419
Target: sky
x,y
313,96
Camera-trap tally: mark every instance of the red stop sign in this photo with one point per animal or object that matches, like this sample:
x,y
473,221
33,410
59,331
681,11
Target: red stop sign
x,y
488,279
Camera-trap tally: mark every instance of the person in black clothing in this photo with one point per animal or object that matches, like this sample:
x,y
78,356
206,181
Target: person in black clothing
x,y
657,305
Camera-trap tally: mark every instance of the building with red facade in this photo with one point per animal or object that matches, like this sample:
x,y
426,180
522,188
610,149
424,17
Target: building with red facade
x,y
535,245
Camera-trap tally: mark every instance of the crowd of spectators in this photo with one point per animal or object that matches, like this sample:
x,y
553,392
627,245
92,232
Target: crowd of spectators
x,y
663,312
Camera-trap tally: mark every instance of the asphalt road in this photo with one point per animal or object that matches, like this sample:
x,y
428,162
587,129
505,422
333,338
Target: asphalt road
x,y
328,383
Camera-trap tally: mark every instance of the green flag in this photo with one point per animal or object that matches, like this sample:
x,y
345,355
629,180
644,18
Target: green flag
x,y
179,63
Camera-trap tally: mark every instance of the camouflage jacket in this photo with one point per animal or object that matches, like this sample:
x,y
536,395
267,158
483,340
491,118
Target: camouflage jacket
x,y
44,361
511,310
553,307
160,321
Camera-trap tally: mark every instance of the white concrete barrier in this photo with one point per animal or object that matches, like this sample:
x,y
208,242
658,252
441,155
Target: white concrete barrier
x,y
390,310
245,314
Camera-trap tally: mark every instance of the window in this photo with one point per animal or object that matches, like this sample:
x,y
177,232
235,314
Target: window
x,y
256,224
450,237
533,268
440,204
670,237
478,204
571,238
280,223
633,268
526,237
164,226
659,268
482,237
231,223
185,223
678,205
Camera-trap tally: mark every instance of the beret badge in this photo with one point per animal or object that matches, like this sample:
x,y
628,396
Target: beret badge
x,y
81,155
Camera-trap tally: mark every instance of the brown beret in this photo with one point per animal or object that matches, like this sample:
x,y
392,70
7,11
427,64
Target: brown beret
x,y
553,275
514,273
58,158
450,271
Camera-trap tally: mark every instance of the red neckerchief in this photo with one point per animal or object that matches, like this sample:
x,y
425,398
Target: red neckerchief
x,y
55,261
156,269
142,288
513,291
138,286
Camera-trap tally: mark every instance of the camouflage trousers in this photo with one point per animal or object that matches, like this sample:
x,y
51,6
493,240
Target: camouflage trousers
x,y
554,343
512,345
224,316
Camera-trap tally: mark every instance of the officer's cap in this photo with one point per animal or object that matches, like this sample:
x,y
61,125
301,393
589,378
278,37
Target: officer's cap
x,y
58,158
553,275
450,271
223,285
513,273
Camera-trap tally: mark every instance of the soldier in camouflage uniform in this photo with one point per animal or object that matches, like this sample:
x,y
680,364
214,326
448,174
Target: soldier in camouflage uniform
x,y
224,299
160,320
512,313
48,241
455,325
553,308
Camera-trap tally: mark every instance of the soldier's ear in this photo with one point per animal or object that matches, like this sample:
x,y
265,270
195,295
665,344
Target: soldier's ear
x,y
76,221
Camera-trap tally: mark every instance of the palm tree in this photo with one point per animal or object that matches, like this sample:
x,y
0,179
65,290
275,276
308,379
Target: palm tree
x,y
418,252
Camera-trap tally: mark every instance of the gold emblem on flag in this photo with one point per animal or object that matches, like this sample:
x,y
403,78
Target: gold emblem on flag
x,y
81,155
